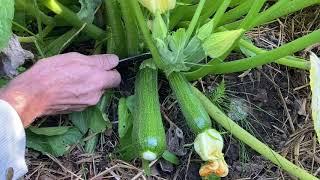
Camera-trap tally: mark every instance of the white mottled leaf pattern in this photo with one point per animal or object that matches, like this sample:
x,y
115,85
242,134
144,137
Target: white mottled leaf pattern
x,y
315,88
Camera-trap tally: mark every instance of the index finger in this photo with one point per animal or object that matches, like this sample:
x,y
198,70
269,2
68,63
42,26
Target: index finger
x,y
104,61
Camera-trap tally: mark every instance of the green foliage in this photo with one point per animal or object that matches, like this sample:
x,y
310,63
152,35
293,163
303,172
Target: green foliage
x,y
177,53
170,157
218,96
88,8
49,131
56,145
124,118
91,142
127,148
6,14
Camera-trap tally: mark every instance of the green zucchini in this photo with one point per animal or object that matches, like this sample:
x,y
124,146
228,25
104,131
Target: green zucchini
x,y
148,130
195,114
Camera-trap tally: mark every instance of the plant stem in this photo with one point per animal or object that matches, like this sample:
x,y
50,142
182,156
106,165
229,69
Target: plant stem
x,y
130,28
116,44
185,13
261,59
92,30
28,7
290,7
194,20
287,61
220,12
146,33
210,10
236,12
250,140
253,13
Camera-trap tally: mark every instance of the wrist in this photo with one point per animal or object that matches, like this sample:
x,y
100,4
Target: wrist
x,y
24,104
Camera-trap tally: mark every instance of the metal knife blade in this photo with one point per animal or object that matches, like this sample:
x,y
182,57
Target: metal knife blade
x,y
134,59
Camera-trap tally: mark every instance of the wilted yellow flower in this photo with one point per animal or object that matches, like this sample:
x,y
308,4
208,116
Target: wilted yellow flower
x,y
218,167
158,5
209,145
315,88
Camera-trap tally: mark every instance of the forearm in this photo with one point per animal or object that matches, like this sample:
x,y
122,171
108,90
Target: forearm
x,y
19,101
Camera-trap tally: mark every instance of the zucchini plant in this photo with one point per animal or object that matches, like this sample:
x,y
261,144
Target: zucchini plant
x,y
199,48
188,41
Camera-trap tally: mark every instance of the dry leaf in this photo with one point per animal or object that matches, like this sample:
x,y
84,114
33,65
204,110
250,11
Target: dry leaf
x,y
12,57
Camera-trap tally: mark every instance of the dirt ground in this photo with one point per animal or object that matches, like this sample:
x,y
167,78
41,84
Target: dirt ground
x,y
273,103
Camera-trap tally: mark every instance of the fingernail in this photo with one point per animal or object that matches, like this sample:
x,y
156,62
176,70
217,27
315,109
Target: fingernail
x,y
113,59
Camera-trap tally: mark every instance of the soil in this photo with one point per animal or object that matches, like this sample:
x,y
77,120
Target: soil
x,y
275,101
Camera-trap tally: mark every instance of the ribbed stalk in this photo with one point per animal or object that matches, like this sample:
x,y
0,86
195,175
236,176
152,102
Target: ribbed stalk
x,y
250,140
115,29
258,60
131,28
69,16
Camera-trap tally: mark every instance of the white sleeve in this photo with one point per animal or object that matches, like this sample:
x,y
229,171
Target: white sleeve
x,y
12,142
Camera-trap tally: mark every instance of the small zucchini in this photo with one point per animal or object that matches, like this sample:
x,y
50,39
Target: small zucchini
x,y
148,130
196,116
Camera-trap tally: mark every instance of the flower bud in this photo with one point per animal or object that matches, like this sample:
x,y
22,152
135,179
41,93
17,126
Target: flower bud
x,y
209,145
158,5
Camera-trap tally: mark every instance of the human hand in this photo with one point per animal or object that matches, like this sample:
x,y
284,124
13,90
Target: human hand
x,y
62,83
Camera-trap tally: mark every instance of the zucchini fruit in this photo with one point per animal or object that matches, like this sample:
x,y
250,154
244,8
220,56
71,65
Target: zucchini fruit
x,y
195,114
148,130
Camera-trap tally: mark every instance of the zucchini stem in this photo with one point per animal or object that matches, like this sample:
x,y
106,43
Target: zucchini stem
x,y
258,60
146,33
73,19
250,140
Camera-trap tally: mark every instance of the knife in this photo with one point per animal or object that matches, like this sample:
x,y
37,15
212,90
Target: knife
x,y
134,59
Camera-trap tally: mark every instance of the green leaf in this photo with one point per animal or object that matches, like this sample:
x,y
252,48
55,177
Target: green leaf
x,y
93,117
80,120
177,41
130,101
315,88
91,142
106,100
194,52
55,145
127,149
159,27
88,8
98,121
168,156
6,16
217,44
124,118
49,131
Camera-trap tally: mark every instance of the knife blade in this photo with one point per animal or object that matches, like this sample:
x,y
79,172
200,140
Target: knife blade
x,y
134,59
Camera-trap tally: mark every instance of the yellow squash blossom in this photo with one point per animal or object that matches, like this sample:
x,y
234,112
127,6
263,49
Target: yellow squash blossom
x,y
315,88
209,145
158,5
